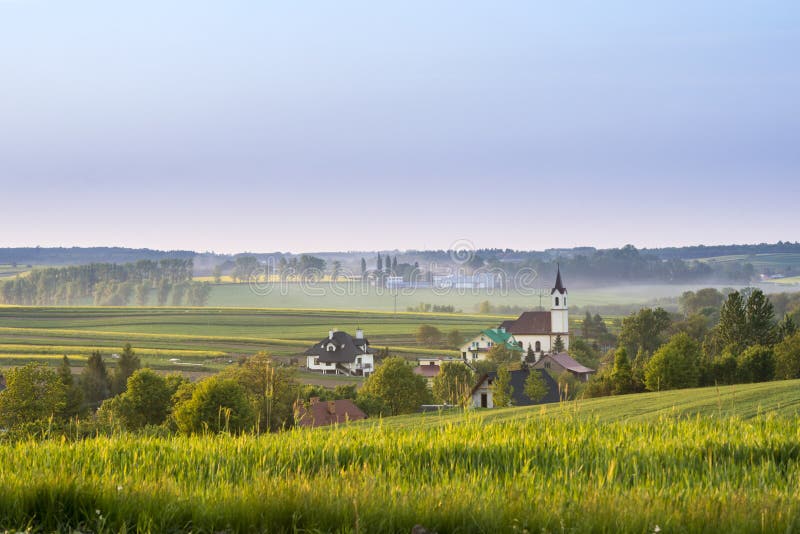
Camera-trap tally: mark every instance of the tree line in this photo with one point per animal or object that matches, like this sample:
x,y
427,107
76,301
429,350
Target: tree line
x,y
108,284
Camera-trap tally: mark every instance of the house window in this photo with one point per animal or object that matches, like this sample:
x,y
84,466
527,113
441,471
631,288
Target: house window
x,y
547,365
316,361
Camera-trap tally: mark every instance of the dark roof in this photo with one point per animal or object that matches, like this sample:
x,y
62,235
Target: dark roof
x,y
518,378
567,362
345,348
321,413
533,322
559,284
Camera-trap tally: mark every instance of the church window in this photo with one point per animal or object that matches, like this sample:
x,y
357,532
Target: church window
x,y
538,346
556,301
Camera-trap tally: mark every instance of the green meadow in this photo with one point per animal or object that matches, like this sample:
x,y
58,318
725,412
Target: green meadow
x,y
715,460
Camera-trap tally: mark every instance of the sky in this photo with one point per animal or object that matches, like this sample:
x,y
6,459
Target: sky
x,y
321,126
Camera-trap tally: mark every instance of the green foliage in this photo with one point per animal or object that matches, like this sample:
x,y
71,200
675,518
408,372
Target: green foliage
x,y
621,374
674,365
744,323
428,335
787,358
394,389
500,354
756,364
535,386
127,364
786,328
272,389
502,390
692,302
483,367
453,383
217,404
558,344
455,338
644,330
73,395
583,353
33,393
146,401
95,381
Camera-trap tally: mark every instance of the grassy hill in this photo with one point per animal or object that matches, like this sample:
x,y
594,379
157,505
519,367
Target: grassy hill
x,y
671,462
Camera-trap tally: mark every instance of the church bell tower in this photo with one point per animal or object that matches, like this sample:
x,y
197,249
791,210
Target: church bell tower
x,y
559,312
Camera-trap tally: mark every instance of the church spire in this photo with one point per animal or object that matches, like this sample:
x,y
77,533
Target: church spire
x,y
559,284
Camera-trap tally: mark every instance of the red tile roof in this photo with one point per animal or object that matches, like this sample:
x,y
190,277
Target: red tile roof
x,y
428,371
322,413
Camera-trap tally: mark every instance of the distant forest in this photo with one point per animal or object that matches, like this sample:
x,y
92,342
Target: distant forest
x,y
108,284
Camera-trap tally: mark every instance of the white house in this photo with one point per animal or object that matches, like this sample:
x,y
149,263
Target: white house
x,y
341,353
540,329
476,348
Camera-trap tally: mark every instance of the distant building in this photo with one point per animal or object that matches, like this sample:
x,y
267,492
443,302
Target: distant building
x,y
539,329
430,367
558,363
476,348
341,353
482,394
322,413
465,281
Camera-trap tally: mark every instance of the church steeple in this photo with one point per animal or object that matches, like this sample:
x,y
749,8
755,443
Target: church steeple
x,y
559,284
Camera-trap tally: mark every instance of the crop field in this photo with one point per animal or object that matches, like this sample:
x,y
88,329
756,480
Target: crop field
x,y
10,271
208,336
759,261
562,468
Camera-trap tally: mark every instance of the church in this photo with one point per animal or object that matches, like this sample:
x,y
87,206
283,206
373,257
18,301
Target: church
x,y
540,329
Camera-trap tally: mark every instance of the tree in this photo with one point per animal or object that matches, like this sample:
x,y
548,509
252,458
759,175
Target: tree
x,y
164,287
73,396
455,338
127,364
336,268
363,268
217,274
397,387
33,393
428,335
146,401
178,292
530,355
558,344
583,353
674,365
142,292
379,264
787,358
217,404
502,390
453,383
535,386
272,389
786,328
760,320
732,327
500,353
199,292
621,374
95,381
644,330
756,364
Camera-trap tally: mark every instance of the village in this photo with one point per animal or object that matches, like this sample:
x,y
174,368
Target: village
x,y
538,342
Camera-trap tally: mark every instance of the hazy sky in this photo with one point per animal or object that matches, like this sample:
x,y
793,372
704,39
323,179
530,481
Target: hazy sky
x,y
254,125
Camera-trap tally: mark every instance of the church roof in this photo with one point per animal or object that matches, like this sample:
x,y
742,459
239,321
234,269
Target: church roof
x,y
532,322
559,284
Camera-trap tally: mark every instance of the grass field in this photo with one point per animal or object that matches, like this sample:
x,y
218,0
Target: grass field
x,y
724,460
208,336
759,261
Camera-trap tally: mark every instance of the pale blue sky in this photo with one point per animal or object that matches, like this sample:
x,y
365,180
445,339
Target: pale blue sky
x,y
247,125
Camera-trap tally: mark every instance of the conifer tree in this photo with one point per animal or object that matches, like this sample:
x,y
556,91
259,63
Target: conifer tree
x,y
128,364
95,380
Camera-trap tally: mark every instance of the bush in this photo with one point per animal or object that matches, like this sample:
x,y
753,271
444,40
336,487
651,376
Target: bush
x,y
216,405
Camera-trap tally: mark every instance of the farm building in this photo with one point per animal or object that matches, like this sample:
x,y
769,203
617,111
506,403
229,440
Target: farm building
x,y
341,353
539,329
558,363
429,367
482,392
322,413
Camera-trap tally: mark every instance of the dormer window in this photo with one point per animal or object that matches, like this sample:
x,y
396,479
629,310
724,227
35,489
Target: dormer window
x,y
331,347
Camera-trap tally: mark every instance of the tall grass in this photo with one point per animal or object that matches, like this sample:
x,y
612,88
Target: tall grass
x,y
466,475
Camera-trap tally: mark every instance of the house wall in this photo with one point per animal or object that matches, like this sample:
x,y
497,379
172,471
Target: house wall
x,y
319,366
476,396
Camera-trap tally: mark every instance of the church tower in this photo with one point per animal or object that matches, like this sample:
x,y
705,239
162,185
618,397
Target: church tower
x,y
559,312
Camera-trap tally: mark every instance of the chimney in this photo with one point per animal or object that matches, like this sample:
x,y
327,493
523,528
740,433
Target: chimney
x,y
330,334
332,407
359,333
